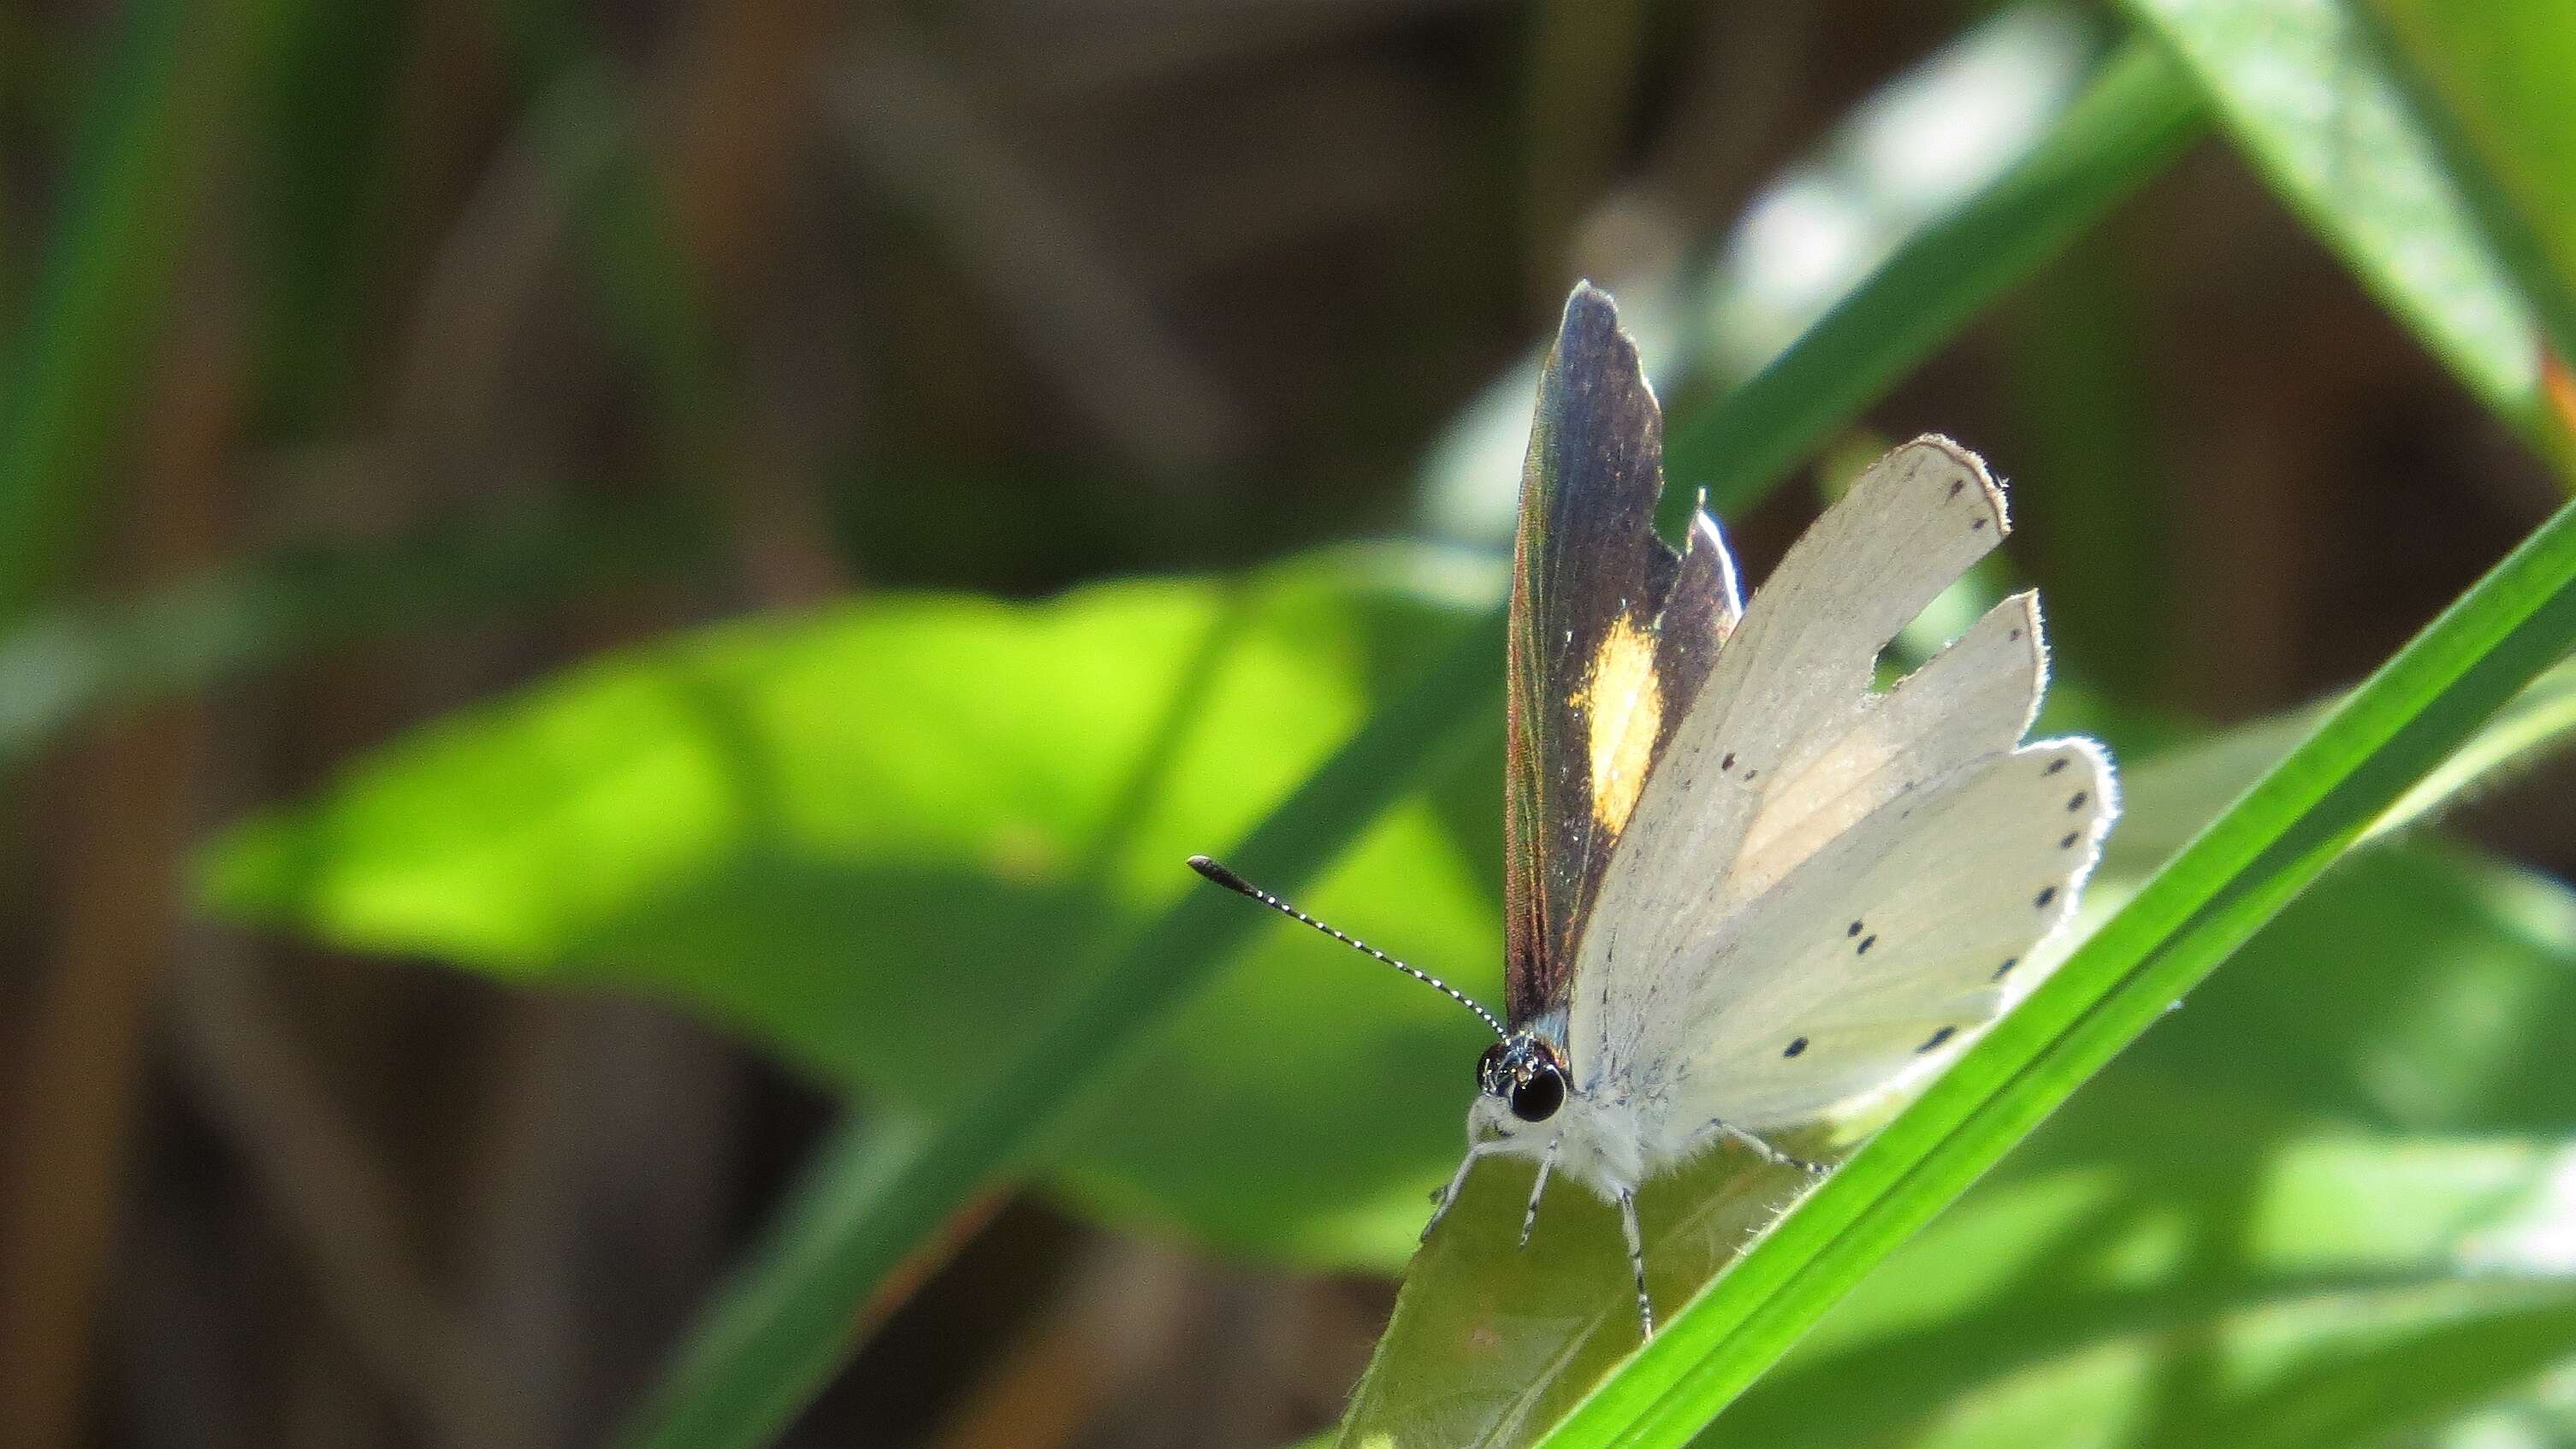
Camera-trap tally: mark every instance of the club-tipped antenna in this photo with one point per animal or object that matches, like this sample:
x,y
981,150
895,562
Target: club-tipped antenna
x,y
1237,884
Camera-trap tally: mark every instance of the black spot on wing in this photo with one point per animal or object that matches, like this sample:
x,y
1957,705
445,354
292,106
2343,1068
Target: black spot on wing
x,y
1938,1037
1796,1047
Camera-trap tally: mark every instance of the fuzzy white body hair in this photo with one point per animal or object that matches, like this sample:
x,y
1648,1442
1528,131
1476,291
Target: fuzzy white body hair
x,y
1596,1142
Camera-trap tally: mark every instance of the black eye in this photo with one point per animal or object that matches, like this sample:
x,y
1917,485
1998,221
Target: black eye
x,y
1537,1099
1489,1065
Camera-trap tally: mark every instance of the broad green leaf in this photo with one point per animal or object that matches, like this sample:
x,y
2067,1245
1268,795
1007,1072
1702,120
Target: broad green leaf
x,y
866,1218
889,839
2307,92
2499,85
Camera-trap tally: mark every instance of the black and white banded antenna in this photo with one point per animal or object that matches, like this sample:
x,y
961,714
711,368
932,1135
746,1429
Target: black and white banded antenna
x,y
1237,884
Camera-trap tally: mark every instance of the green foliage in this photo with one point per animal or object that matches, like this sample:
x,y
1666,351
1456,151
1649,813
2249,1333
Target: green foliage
x,y
2493,87
896,898
2181,1126
74,363
2190,1286
2309,96
64,666
2126,125
928,849
2361,761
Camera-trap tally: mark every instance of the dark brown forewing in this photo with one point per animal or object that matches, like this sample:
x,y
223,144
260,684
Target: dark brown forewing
x,y
1611,634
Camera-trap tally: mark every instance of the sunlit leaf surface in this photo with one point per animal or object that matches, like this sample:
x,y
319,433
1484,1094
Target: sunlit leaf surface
x,y
887,839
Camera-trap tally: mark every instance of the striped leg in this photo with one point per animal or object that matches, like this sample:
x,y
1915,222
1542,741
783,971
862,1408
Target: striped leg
x,y
1762,1149
1441,1199
1636,1258
1546,1164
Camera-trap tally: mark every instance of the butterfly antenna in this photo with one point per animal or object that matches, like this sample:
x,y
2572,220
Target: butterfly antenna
x,y
1237,884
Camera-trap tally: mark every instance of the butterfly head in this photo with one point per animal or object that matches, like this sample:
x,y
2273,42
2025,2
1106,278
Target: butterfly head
x,y
1526,1073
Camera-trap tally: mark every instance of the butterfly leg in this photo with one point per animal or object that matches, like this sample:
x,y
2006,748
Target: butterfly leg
x,y
1636,1258
1546,1164
1765,1150
1441,1199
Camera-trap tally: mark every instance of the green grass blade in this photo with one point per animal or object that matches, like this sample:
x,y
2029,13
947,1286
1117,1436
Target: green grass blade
x,y
640,278
2135,116
2538,721
1928,252
2383,739
59,666
2204,776
2307,92
105,273
790,1309
2496,86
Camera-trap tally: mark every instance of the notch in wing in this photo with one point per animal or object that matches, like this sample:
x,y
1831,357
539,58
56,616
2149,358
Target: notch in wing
x,y
1887,951
1787,748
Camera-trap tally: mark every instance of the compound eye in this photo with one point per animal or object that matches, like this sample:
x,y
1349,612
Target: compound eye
x,y
1537,1099
1489,1066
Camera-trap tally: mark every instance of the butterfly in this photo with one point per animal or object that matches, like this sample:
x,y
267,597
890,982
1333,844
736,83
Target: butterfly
x,y
1746,892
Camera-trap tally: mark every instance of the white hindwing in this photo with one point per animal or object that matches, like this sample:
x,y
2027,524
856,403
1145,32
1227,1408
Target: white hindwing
x,y
1885,951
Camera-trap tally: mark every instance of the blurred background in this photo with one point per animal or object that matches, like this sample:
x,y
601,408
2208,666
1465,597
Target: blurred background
x,y
371,364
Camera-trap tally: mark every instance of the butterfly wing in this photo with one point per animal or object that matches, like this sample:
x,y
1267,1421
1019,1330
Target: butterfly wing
x,y
1791,786
1610,631
1889,948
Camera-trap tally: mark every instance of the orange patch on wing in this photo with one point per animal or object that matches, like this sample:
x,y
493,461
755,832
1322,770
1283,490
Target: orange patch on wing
x,y
1623,707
